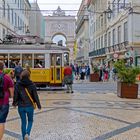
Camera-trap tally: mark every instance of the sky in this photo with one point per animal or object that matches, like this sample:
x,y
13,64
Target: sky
x,y
53,4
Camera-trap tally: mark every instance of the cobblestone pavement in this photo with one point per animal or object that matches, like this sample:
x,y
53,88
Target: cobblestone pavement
x,y
80,117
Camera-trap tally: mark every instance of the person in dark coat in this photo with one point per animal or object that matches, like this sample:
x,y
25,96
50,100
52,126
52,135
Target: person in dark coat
x,y
24,103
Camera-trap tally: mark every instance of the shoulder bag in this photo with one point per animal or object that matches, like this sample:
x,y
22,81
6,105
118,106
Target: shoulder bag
x,y
31,99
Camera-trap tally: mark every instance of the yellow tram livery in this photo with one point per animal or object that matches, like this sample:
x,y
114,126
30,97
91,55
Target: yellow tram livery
x,y
46,61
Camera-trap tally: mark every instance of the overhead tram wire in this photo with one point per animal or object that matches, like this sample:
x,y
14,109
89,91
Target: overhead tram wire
x,y
52,3
35,10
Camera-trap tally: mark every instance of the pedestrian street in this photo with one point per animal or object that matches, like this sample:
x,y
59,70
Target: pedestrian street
x,y
80,116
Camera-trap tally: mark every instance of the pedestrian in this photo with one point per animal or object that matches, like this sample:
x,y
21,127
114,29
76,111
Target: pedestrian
x,y
7,90
87,73
18,70
27,67
82,72
25,96
68,78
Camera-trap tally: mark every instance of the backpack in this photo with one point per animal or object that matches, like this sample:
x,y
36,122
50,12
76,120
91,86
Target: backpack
x,y
18,70
1,86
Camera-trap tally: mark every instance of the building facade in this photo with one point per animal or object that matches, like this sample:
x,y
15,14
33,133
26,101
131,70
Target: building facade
x,y
14,17
82,33
113,31
60,29
123,31
36,21
98,44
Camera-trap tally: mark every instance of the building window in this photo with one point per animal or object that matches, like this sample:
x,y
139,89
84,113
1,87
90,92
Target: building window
x,y
18,3
114,37
105,40
114,8
109,39
125,31
99,44
101,20
126,2
121,5
119,35
3,8
18,21
102,42
15,19
96,44
12,16
3,32
8,9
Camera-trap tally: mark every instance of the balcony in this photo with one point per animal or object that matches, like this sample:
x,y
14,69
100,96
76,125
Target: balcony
x,y
117,47
98,52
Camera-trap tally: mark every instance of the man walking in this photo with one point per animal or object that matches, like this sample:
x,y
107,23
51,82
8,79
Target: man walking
x,y
7,91
18,70
68,79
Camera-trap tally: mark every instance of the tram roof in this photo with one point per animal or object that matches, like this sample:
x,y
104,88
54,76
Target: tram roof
x,y
32,47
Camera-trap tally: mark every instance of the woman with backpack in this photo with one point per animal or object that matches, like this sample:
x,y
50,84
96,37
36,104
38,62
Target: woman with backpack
x,y
25,97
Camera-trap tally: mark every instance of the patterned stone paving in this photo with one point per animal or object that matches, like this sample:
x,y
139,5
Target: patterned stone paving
x,y
80,117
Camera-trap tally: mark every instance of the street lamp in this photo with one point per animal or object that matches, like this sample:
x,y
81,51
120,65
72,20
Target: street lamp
x,y
109,12
124,6
27,31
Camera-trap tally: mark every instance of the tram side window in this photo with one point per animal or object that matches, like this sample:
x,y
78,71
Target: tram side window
x,y
4,58
27,60
13,58
39,60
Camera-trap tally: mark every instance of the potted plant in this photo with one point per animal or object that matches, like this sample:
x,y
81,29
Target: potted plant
x,y
94,77
126,86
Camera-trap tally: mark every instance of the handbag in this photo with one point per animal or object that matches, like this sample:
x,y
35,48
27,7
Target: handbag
x,y
34,104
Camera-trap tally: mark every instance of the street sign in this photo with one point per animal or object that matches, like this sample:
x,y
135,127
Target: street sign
x,y
115,55
127,54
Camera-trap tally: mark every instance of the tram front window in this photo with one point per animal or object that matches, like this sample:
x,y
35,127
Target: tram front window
x,y
58,59
66,58
39,60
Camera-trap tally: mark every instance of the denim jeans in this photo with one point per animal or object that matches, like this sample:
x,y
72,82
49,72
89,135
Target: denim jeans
x,y
4,109
26,115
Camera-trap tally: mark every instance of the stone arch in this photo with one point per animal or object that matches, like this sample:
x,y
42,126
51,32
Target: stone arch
x,y
61,34
59,23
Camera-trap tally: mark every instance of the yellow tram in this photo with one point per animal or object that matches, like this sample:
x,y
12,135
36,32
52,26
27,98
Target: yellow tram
x,y
45,60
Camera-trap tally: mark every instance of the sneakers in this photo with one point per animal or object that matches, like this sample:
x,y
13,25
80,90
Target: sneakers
x,y
26,137
69,92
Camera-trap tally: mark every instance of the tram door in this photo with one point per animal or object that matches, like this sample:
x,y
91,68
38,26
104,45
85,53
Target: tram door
x,y
56,68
